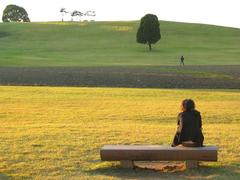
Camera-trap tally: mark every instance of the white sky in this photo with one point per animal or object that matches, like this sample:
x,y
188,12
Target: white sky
x,y
218,12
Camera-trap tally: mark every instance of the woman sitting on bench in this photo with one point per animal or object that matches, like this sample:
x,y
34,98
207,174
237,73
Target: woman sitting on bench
x,y
189,130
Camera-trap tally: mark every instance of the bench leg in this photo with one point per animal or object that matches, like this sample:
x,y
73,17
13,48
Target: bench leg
x,y
191,164
127,164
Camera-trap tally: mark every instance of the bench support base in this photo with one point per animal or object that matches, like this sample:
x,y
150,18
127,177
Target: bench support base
x,y
127,164
191,164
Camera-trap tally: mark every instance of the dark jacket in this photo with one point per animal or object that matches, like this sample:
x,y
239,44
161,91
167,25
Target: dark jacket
x,y
189,128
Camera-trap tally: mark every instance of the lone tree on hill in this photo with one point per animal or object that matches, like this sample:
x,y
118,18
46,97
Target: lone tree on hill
x,y
149,30
13,13
63,12
76,13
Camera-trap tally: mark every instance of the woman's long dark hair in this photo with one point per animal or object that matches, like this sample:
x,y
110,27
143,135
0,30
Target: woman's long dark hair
x,y
188,105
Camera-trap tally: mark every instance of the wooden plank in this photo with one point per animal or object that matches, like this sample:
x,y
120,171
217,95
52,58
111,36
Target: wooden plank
x,y
157,153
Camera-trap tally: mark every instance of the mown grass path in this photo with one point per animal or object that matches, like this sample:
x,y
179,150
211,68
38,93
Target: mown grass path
x,y
57,132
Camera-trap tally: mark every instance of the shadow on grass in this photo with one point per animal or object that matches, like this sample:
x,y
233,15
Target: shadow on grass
x,y
204,172
4,34
4,176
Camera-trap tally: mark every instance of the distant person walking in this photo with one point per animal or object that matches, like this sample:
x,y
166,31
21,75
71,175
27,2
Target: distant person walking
x,y
182,61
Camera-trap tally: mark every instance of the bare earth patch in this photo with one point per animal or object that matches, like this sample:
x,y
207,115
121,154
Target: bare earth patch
x,y
162,166
190,77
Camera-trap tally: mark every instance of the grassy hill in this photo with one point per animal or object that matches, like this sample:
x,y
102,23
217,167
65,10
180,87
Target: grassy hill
x,y
114,44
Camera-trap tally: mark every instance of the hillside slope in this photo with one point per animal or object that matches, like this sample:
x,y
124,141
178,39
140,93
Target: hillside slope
x,y
114,44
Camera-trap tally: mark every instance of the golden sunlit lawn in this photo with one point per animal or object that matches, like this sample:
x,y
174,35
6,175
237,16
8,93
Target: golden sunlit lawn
x,y
57,132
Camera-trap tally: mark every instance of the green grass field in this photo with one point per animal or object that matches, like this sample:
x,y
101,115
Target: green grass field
x,y
56,133
114,44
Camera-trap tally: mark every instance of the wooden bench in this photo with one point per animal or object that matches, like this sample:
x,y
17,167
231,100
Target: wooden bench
x,y
127,154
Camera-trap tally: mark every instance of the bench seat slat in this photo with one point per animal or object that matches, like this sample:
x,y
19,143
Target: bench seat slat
x,y
157,153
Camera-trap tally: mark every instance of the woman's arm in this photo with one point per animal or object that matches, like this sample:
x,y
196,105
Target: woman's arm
x,y
177,135
200,121
180,123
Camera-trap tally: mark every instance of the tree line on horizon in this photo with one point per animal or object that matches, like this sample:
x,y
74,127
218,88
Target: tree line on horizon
x,y
14,13
76,13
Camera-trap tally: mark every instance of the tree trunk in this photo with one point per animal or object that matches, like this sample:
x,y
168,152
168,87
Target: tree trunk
x,y
150,46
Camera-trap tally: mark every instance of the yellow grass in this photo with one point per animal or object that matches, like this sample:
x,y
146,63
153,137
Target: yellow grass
x,y
117,28
57,132
64,23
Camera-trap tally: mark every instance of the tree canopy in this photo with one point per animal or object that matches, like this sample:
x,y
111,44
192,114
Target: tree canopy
x,y
149,30
13,13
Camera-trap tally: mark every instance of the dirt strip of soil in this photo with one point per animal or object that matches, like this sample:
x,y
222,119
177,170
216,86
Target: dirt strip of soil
x,y
190,77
